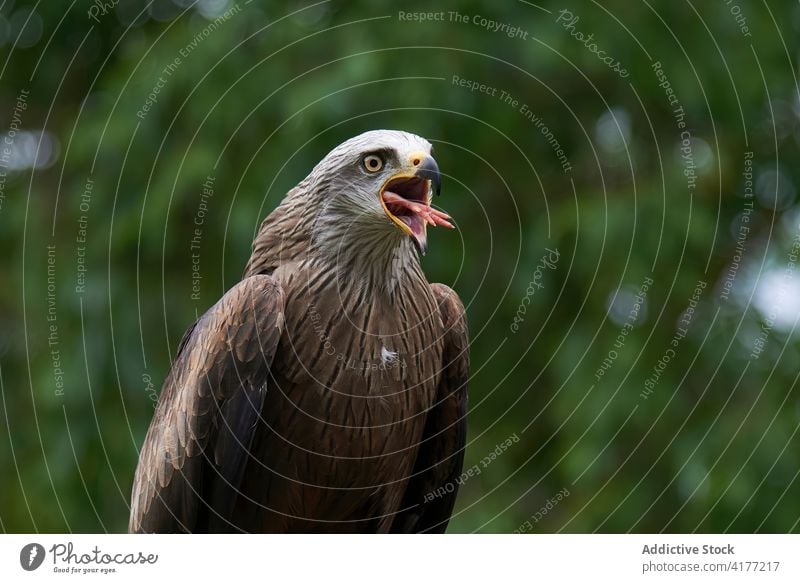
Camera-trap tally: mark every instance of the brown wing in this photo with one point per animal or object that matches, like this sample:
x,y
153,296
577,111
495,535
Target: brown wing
x,y
197,446
431,492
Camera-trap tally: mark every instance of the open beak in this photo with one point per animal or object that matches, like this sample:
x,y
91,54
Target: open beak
x,y
406,198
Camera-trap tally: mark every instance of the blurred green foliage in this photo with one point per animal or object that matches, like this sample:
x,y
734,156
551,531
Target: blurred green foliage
x,y
261,97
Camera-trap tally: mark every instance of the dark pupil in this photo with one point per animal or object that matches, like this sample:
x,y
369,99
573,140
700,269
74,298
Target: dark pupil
x,y
373,163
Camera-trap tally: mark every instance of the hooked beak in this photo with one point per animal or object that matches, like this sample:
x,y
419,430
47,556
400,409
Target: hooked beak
x,y
406,199
429,170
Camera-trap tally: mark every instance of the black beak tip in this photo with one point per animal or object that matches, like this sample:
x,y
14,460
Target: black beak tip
x,y
429,170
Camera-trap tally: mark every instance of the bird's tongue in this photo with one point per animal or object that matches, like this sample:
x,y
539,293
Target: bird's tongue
x,y
416,215
404,208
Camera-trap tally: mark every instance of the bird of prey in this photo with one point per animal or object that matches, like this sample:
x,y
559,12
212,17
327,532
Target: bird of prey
x,y
327,390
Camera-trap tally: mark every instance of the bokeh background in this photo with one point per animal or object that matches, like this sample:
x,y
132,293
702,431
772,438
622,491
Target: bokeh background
x,y
644,373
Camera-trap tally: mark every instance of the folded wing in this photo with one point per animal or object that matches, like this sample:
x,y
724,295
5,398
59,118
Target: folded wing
x,y
198,445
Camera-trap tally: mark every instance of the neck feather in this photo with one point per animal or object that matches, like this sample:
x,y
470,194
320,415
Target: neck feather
x,y
369,253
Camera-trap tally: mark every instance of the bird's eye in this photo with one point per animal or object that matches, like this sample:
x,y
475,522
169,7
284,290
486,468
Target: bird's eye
x,y
373,163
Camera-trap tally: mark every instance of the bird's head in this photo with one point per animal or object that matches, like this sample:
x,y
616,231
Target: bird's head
x,y
383,180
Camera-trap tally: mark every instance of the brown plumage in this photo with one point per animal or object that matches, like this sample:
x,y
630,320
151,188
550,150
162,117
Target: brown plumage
x,y
326,391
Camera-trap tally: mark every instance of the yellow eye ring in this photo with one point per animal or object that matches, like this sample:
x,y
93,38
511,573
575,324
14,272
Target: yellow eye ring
x,y
373,163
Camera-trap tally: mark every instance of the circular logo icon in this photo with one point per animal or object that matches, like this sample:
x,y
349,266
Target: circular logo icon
x,y
31,556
